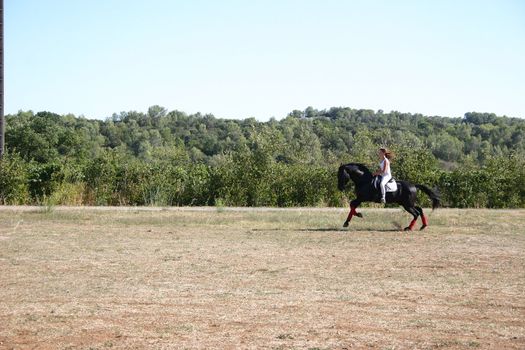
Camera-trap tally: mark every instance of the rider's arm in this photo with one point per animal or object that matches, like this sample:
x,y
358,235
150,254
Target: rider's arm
x,y
381,171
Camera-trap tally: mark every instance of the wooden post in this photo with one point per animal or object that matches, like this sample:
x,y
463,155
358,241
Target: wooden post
x,y
2,119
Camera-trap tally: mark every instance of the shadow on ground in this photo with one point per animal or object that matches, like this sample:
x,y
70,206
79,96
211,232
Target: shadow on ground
x,y
348,230
329,229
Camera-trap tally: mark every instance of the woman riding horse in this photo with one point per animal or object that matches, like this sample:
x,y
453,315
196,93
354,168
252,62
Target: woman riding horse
x,y
405,195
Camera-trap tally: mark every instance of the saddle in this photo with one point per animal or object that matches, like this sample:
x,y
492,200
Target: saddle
x,y
391,185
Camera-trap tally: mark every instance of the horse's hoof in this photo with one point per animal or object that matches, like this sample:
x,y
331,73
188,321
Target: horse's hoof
x,y
345,224
359,215
422,227
407,229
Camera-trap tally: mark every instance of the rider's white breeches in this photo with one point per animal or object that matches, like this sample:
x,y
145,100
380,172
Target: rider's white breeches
x,y
384,180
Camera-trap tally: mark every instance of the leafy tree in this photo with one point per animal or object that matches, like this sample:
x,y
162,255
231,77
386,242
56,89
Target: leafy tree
x,y
172,158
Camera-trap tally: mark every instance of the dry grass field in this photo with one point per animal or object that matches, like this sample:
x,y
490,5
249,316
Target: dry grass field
x,y
260,279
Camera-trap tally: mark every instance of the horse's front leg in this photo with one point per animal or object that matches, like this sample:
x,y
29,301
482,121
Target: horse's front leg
x,y
353,206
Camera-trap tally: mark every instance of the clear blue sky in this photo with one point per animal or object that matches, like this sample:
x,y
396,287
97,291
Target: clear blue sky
x,y
255,58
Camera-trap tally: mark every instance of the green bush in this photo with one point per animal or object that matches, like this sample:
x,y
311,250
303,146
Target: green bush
x,y
102,177
198,187
498,184
13,180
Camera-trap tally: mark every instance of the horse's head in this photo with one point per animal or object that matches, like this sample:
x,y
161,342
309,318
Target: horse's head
x,y
342,178
351,171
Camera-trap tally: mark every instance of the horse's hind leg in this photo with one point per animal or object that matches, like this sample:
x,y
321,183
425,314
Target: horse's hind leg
x,y
423,218
415,214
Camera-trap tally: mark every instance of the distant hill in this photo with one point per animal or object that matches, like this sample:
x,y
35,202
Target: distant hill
x,y
310,136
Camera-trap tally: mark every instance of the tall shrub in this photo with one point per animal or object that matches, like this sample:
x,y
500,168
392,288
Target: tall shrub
x,y
13,180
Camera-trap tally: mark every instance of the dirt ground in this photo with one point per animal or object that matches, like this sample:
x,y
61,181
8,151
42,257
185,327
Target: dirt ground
x,y
260,279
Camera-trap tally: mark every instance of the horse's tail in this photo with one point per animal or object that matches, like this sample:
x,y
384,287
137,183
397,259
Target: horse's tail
x,y
434,196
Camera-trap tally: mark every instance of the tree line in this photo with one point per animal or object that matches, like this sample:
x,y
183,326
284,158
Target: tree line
x,y
169,158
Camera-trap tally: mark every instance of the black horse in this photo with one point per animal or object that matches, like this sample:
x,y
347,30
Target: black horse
x,y
366,190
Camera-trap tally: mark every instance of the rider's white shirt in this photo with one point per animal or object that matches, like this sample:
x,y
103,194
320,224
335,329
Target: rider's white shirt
x,y
381,165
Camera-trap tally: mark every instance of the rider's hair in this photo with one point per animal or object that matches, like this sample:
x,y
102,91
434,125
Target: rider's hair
x,y
387,153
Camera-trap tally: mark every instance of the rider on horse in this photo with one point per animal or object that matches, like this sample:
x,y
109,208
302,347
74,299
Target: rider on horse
x,y
366,190
384,170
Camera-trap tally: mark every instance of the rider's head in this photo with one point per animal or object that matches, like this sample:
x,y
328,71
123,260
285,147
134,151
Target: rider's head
x,y
385,152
